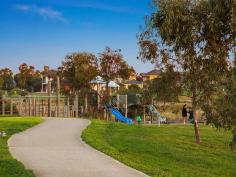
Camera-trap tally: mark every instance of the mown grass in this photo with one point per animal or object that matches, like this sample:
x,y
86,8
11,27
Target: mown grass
x,y
9,167
168,150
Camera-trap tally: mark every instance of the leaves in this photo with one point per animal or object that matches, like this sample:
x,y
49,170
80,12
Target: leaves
x,y
28,78
113,65
195,37
167,87
77,70
6,79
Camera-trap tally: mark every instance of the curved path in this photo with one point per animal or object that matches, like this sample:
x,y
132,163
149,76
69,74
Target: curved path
x,y
55,149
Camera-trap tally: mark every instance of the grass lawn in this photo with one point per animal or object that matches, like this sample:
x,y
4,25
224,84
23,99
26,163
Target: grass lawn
x,y
9,167
168,150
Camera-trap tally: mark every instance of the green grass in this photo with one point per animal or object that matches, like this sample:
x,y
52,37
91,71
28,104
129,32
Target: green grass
x,y
9,167
168,150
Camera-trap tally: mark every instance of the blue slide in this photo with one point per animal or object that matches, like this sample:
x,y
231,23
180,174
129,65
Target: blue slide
x,y
120,117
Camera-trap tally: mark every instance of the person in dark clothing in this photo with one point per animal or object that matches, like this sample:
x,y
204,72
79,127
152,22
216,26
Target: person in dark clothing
x,y
184,113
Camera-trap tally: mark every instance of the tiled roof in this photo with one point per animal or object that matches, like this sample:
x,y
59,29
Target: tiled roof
x,y
153,72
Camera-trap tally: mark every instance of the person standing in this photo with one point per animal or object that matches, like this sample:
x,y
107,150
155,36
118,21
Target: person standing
x,y
184,113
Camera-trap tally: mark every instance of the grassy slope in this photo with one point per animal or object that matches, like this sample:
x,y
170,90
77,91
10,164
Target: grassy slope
x,y
166,151
10,167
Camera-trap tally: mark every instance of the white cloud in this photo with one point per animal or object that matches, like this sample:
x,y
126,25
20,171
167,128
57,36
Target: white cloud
x,y
22,7
45,12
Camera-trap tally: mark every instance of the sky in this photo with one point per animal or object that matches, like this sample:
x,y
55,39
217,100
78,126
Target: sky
x,y
43,32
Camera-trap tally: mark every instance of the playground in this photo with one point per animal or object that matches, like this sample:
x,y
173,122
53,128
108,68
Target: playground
x,y
118,88
128,108
129,127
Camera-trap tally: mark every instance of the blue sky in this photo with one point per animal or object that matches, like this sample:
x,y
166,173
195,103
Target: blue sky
x,y
42,32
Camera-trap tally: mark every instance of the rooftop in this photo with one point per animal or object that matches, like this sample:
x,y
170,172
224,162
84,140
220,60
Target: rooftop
x,y
153,72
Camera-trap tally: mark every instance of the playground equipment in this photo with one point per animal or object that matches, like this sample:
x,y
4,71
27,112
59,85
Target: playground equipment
x,y
124,103
119,116
120,105
38,105
116,108
156,114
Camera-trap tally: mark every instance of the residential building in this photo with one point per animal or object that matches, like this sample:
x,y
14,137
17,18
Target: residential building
x,y
150,75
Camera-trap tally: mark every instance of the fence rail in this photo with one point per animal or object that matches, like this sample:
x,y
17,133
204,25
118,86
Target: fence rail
x,y
45,106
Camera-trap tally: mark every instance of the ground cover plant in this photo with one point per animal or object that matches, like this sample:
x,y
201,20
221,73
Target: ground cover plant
x,y
168,150
9,167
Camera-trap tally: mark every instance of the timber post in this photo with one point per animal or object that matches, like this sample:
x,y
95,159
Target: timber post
x,y
3,105
68,107
126,105
58,96
76,106
49,98
11,107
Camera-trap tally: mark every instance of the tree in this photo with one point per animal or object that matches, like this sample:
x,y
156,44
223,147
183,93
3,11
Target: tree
x,y
131,89
196,37
77,70
7,80
166,88
222,111
113,65
28,78
34,83
20,78
1,82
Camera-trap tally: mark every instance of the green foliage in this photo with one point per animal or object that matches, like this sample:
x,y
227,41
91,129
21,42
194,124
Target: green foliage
x,y
77,70
1,82
8,83
192,43
131,89
196,38
164,151
166,88
113,65
222,111
28,79
6,79
10,167
135,88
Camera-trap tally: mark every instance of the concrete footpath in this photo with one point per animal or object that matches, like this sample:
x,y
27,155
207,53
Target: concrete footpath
x,y
55,149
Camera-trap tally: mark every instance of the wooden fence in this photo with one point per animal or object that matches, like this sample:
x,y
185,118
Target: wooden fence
x,y
44,106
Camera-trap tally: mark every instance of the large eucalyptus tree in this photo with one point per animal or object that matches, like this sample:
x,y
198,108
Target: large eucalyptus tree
x,y
196,37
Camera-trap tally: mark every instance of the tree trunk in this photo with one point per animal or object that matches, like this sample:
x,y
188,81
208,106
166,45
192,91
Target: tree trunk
x,y
196,128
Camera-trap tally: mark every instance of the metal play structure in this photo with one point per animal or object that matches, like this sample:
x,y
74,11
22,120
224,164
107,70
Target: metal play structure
x,y
123,104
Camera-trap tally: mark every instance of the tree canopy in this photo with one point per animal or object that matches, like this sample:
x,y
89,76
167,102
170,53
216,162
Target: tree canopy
x,y
28,79
222,111
167,87
77,70
6,79
196,38
113,65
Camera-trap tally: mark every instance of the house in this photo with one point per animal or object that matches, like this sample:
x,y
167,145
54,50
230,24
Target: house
x,y
150,75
